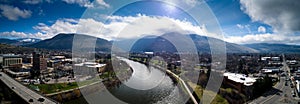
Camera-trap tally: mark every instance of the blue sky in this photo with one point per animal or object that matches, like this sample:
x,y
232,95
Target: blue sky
x,y
240,23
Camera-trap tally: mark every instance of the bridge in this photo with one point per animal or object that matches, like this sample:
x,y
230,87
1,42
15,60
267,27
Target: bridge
x,y
25,93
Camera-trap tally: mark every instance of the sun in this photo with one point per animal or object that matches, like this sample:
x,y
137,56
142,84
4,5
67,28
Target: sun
x,y
169,8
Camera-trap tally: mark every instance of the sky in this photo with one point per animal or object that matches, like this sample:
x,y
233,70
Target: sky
x,y
239,21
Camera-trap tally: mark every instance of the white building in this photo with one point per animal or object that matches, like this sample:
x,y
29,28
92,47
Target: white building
x,y
240,78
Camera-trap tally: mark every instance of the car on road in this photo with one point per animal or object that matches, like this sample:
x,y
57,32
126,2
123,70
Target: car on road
x,y
282,74
293,94
41,99
30,100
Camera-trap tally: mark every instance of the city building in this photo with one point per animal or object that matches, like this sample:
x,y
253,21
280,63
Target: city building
x,y
291,62
240,82
7,60
270,70
88,68
39,63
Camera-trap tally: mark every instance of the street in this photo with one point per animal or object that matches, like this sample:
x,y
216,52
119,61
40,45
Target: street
x,y
281,93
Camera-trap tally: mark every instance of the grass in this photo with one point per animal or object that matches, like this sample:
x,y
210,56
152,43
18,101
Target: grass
x,y
89,81
51,88
218,99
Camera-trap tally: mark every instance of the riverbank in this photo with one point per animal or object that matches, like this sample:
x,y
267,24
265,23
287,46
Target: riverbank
x,y
66,92
176,79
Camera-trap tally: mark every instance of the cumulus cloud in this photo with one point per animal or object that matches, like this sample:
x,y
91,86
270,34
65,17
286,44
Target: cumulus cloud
x,y
142,25
118,27
282,15
264,38
14,13
60,26
35,1
88,3
14,34
261,29
102,2
253,38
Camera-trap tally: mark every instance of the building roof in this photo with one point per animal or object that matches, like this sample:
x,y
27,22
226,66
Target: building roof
x,y
10,56
240,78
90,64
151,53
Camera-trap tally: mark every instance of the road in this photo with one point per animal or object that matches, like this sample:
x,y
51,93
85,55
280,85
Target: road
x,y
280,93
24,92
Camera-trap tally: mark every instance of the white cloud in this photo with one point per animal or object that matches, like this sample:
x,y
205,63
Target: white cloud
x,y
14,13
88,3
261,29
118,27
186,4
240,26
102,2
282,15
82,3
133,27
60,26
264,38
247,27
33,2
14,34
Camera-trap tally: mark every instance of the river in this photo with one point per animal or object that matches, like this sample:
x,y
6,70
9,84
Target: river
x,y
147,86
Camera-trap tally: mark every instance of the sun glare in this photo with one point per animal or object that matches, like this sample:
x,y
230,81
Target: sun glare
x,y
170,8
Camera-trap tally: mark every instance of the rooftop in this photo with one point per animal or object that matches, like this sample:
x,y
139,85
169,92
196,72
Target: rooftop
x,y
90,64
240,78
9,55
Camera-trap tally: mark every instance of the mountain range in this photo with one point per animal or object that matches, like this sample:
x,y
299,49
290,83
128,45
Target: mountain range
x,y
64,41
274,48
162,43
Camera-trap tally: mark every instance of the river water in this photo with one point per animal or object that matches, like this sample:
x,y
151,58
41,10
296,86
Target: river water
x,y
147,86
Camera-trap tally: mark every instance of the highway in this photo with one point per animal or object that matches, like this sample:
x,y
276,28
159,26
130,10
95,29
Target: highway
x,y
25,93
280,93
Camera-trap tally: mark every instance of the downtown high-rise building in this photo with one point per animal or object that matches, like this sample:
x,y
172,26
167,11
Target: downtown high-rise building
x,y
39,63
